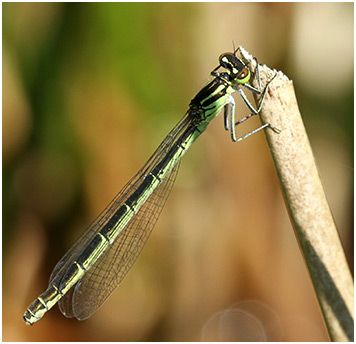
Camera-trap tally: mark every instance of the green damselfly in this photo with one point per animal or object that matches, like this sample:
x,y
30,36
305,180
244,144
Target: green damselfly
x,y
97,263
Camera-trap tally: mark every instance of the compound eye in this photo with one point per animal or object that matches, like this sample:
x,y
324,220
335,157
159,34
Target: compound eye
x,y
243,74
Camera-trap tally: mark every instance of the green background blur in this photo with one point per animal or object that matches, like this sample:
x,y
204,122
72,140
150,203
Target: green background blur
x,y
90,90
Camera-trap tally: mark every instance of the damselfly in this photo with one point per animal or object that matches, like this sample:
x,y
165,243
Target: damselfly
x,y
97,263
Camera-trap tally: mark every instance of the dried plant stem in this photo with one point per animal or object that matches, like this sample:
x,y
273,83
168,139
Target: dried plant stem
x,y
307,205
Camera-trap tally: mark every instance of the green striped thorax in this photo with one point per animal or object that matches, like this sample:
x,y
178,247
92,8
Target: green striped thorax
x,y
211,99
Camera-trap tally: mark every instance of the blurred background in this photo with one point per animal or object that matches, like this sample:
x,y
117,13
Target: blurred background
x,y
90,90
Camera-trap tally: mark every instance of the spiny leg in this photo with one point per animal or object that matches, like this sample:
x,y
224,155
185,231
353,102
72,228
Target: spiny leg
x,y
257,73
249,87
231,103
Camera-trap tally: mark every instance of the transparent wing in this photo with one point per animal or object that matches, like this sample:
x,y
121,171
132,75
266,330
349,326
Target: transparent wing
x,y
87,236
110,269
75,251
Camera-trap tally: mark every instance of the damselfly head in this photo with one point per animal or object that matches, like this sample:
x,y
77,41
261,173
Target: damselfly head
x,y
237,69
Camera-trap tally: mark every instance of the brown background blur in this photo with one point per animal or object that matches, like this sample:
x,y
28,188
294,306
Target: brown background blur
x,y
90,90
